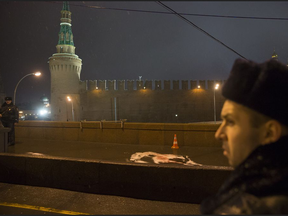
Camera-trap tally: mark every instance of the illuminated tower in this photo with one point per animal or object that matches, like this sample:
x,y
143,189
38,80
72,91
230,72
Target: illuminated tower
x,y
65,69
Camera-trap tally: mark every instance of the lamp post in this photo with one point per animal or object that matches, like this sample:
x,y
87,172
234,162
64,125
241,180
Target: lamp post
x,y
215,88
69,99
35,74
66,112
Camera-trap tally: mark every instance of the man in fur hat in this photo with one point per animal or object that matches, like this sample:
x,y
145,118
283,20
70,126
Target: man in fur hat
x,y
9,115
254,133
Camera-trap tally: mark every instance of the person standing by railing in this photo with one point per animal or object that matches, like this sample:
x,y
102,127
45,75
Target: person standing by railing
x,y
9,115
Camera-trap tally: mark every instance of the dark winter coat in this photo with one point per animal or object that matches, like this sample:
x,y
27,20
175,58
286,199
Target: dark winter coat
x,y
259,185
9,112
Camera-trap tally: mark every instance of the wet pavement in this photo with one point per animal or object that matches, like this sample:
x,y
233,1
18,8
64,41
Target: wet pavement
x,y
114,152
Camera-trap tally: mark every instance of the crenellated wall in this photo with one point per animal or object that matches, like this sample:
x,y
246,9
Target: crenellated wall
x,y
121,85
166,101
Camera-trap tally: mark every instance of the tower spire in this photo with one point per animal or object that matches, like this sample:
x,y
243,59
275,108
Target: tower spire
x,y
65,41
66,6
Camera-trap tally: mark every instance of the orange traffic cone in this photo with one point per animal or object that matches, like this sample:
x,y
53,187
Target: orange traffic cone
x,y
175,143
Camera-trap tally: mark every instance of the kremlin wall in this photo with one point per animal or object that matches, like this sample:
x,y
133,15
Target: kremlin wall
x,y
149,101
159,101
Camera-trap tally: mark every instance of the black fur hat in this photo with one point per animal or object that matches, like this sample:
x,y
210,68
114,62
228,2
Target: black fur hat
x,y
261,87
8,98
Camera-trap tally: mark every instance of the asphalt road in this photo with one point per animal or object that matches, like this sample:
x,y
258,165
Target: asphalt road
x,y
114,152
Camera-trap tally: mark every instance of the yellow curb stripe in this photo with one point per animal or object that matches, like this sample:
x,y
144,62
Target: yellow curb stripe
x,y
39,208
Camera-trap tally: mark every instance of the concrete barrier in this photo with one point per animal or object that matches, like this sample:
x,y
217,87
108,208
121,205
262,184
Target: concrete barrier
x,y
154,182
196,135
4,138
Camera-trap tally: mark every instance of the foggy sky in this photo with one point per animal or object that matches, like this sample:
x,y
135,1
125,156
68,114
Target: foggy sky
x,y
124,45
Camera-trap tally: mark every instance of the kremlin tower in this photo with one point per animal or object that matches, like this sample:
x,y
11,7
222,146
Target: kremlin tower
x,y
65,68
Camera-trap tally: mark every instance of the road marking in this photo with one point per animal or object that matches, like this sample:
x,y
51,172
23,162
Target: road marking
x,y
39,208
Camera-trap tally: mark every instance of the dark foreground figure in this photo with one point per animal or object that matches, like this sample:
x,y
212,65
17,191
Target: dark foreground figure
x,y
9,115
254,133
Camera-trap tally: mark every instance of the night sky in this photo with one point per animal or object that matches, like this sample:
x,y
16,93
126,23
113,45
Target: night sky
x,y
124,45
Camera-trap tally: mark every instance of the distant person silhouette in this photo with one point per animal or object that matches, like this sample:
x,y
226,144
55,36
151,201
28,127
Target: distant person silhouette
x,y
9,115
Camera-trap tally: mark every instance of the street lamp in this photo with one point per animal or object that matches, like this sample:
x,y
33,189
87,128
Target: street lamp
x,y
69,99
215,88
35,74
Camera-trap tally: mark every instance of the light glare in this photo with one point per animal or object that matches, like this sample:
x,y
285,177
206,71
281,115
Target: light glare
x,y
37,73
43,112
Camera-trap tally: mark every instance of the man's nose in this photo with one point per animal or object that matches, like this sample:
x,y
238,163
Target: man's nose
x,y
219,133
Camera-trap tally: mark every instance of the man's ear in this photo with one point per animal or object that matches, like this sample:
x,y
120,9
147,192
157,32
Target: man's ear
x,y
272,132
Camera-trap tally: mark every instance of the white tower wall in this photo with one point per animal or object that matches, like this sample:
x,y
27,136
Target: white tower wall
x,y
65,77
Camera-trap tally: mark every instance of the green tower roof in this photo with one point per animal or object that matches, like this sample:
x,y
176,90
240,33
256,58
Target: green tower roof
x,y
65,33
66,6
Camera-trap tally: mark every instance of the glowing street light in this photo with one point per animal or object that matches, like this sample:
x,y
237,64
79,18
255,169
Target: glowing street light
x,y
35,74
215,88
70,100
